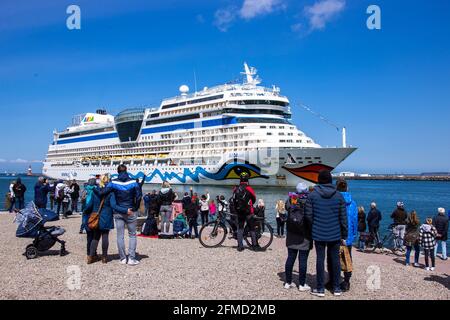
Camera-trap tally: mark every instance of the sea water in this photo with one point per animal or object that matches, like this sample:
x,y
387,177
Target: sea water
x,y
423,196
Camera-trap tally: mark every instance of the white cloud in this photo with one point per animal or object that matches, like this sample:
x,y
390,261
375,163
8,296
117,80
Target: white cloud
x,y
322,11
2,160
224,17
297,27
36,161
253,8
19,161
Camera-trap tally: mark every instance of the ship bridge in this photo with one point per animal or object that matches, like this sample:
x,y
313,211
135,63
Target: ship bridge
x,y
129,124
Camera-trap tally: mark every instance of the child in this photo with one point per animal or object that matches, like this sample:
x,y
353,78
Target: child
x,y
212,210
427,239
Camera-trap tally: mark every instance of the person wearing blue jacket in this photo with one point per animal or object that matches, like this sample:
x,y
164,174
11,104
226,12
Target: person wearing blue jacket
x,y
41,190
106,224
128,196
325,211
352,225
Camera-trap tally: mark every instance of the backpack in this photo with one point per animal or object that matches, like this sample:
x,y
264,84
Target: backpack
x,y
150,227
296,217
241,200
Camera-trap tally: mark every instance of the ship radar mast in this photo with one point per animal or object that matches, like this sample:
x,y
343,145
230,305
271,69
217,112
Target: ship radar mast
x,y
251,74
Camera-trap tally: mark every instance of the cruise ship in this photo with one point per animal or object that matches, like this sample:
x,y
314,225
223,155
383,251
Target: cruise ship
x,y
206,137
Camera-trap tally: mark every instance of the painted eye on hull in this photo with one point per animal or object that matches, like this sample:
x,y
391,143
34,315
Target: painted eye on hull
x,y
235,173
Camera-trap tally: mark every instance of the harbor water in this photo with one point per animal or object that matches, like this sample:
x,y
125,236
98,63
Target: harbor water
x,y
423,196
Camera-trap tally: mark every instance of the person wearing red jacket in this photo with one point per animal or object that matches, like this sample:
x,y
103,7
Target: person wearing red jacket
x,y
242,204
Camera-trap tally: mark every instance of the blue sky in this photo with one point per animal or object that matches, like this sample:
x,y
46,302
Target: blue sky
x,y
390,88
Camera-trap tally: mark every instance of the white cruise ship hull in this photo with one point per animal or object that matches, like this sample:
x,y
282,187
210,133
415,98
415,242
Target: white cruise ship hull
x,y
277,167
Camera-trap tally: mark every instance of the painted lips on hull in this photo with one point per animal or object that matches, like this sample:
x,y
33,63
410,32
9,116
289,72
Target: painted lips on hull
x,y
310,172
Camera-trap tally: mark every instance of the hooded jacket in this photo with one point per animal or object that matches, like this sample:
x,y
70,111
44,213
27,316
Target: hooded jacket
x,y
19,189
325,210
352,218
373,218
166,197
427,236
399,216
40,194
128,192
441,223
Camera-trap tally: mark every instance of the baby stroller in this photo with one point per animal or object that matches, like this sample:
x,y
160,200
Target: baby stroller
x,y
31,224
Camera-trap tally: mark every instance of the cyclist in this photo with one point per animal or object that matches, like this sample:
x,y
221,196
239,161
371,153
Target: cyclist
x,y
242,204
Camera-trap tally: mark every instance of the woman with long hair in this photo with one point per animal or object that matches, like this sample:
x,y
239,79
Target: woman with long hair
x,y
412,238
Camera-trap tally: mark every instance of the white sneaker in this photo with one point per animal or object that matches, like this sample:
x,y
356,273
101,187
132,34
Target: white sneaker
x,y
124,261
427,268
133,262
432,268
304,288
289,285
416,265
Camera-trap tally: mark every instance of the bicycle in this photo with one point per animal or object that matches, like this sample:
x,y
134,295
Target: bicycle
x,y
389,243
213,234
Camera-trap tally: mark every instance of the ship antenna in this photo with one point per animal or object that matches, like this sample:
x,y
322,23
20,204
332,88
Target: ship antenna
x,y
321,117
195,81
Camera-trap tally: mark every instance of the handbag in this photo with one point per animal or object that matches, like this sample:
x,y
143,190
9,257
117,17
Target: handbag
x,y
346,259
94,218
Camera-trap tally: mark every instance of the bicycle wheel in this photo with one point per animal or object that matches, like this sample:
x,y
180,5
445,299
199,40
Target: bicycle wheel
x,y
212,235
264,238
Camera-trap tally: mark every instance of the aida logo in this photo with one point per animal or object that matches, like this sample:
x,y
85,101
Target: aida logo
x,y
88,119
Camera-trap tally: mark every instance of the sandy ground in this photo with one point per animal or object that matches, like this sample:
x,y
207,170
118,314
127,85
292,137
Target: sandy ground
x,y
183,269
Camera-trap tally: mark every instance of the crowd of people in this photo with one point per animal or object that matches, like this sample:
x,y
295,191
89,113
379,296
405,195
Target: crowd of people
x,y
323,217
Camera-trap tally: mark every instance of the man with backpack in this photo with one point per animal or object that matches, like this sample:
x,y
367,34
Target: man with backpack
x,y
298,239
242,204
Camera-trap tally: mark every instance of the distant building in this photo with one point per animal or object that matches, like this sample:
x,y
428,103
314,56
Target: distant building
x,y
347,174
364,175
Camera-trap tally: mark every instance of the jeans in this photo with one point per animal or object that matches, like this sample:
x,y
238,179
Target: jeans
x,y
123,220
20,203
58,206
193,224
303,265
443,246
399,232
429,254
74,205
13,201
280,227
96,235
242,221
166,214
52,202
334,264
65,208
204,215
361,244
416,253
182,232
374,233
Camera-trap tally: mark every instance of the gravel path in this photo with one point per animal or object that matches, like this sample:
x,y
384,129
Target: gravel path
x,y
183,269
